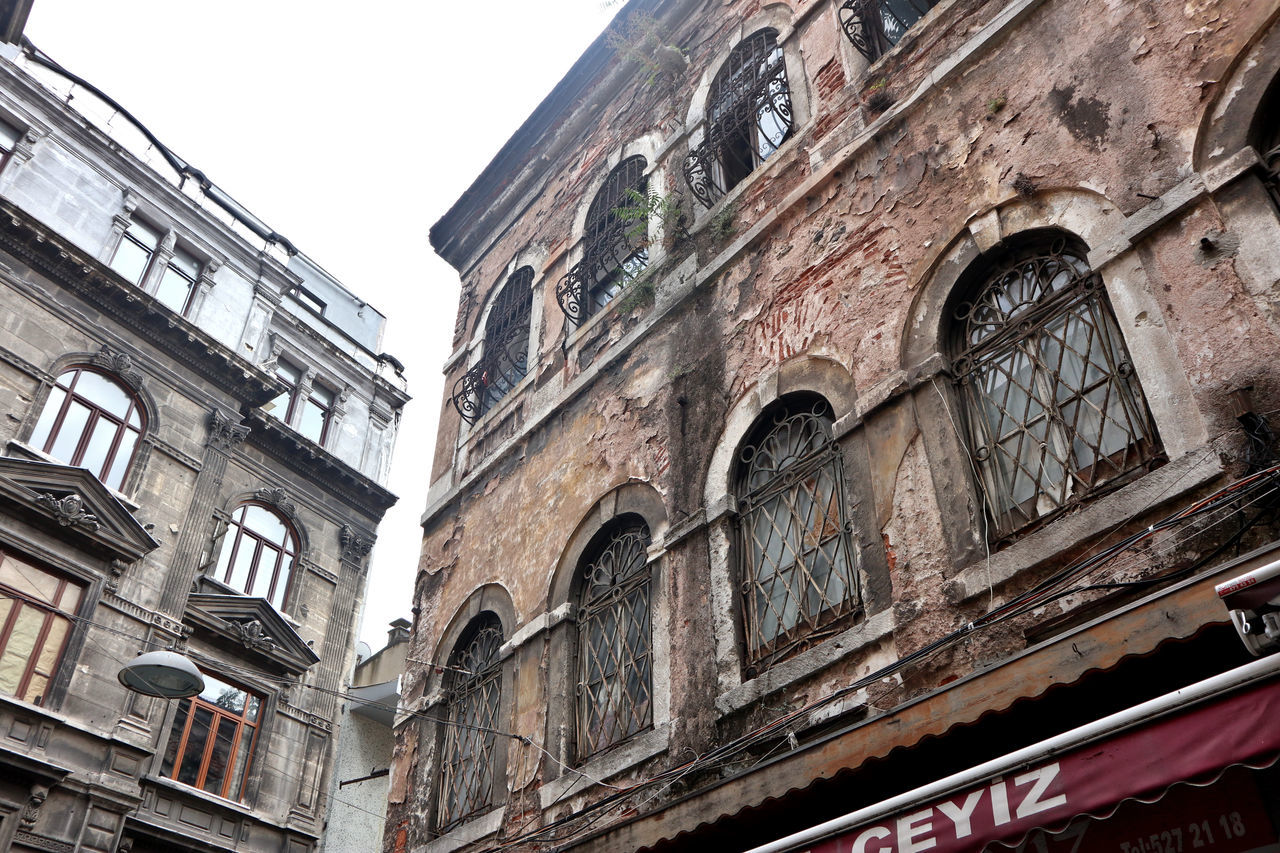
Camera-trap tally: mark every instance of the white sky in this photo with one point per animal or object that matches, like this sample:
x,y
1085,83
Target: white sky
x,y
350,128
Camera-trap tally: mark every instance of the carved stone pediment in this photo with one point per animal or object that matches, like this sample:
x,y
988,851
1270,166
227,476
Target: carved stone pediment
x,y
254,625
75,501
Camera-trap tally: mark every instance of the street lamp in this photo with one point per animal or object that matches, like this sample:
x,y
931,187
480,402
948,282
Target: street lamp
x,y
165,674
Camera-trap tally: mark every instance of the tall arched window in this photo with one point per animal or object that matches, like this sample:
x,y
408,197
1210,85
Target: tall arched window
x,y
615,649
748,118
1266,135
258,552
615,247
797,565
1053,409
505,359
93,421
468,754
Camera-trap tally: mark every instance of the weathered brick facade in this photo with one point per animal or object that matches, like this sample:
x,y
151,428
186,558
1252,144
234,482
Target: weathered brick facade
x,y
1134,133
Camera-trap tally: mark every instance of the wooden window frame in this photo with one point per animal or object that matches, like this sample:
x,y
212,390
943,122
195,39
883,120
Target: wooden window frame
x,y
96,413
243,722
52,611
286,553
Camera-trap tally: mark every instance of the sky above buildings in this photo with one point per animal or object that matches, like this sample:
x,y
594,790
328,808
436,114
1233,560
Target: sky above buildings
x,y
349,129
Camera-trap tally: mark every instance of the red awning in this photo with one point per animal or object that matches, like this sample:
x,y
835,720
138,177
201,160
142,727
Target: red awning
x,y
1087,780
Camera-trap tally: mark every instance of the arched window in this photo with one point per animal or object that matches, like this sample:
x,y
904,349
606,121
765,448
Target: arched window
x,y
797,564
615,649
505,359
91,420
748,118
468,755
1053,409
874,26
615,248
258,552
1266,133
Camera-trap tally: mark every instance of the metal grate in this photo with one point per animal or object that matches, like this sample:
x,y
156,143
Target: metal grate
x,y
798,566
505,359
467,756
874,26
615,246
1053,408
615,669
748,118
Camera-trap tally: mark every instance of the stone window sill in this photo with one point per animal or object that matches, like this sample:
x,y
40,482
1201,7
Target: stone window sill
x,y
1095,518
808,664
610,763
467,833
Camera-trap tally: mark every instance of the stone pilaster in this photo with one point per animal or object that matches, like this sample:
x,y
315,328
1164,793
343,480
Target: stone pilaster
x,y
225,435
356,546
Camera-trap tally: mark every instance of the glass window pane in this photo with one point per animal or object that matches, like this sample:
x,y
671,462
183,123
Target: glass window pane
x,y
19,650
94,455
131,260
120,464
29,580
35,689
268,560
186,263
144,234
175,737
235,786
220,755
50,414
174,290
311,425
289,373
9,136
265,523
244,564
69,433
197,740
104,393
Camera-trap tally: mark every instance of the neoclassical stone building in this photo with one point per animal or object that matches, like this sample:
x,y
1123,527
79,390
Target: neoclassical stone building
x,y
196,425
853,406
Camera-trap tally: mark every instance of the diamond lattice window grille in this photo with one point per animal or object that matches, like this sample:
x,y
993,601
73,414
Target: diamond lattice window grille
x,y
468,751
798,567
1053,408
615,654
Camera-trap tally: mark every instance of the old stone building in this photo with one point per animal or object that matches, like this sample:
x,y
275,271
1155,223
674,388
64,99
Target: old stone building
x,y
853,406
197,427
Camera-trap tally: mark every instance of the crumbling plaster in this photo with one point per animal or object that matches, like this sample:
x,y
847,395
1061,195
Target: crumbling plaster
x,y
844,248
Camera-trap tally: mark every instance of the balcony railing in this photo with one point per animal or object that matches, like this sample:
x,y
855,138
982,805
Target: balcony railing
x,y
874,26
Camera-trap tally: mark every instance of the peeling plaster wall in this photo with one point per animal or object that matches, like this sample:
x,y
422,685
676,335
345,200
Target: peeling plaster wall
x,y
1002,117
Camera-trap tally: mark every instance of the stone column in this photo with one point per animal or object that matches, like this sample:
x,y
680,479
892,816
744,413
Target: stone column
x,y
225,434
355,548
119,224
203,285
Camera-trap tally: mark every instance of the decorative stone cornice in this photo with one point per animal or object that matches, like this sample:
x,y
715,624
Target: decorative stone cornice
x,y
355,545
225,434
68,511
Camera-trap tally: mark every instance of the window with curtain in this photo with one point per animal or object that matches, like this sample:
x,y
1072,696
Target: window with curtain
x,y
1053,409
615,644
37,612
468,753
91,420
797,563
748,118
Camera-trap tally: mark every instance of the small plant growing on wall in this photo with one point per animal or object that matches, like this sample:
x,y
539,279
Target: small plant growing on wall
x,y
639,209
725,223
642,40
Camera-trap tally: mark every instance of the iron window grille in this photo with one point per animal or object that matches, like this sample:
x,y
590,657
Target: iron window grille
x,y
797,564
615,654
469,753
505,358
258,553
212,738
875,26
1271,152
615,246
37,612
92,421
1053,409
748,118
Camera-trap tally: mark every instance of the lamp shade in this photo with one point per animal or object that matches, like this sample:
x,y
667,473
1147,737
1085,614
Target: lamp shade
x,y
168,675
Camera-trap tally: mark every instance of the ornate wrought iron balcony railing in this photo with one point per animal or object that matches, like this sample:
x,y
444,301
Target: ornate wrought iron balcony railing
x,y
500,370
874,26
